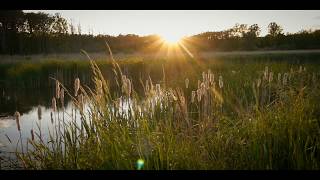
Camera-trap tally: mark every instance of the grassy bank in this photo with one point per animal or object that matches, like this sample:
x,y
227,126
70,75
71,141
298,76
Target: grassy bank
x,y
233,114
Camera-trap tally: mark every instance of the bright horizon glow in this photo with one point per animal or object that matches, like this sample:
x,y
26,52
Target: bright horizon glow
x,y
184,22
171,39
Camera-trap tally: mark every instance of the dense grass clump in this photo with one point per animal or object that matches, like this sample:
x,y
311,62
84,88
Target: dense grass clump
x,y
253,116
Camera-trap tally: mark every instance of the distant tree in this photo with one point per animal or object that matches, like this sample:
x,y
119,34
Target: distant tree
x,y
39,23
60,25
254,30
274,29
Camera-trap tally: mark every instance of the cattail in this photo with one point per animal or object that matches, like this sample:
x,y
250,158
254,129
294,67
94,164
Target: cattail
x,y
193,95
211,78
285,79
270,77
279,77
76,86
147,87
17,115
158,89
129,87
124,78
300,69
57,89
220,82
199,83
266,73
291,70
81,101
203,88
32,135
39,112
199,94
174,98
258,82
51,116
62,97
187,83
124,87
203,76
54,104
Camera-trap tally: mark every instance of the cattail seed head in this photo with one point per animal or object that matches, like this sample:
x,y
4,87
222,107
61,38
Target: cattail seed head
x,y
39,112
51,116
266,71
211,78
258,82
300,69
62,97
285,79
54,104
220,82
57,89
187,83
129,87
270,77
279,77
199,83
76,86
32,135
193,95
81,101
199,94
204,76
158,89
147,87
17,116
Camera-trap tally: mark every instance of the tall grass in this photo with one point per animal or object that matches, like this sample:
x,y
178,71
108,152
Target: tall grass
x,y
248,119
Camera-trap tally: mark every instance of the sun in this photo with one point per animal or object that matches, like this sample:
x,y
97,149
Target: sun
x,y
171,39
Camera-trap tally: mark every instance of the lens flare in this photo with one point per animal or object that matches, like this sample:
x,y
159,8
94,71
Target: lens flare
x,y
140,164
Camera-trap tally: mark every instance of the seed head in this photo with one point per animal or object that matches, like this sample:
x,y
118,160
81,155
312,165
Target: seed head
x,y
51,116
220,82
279,77
258,82
270,77
62,97
54,104
187,83
17,116
300,69
199,94
76,86
39,112
285,79
32,135
193,95
57,89
266,71
204,76
158,89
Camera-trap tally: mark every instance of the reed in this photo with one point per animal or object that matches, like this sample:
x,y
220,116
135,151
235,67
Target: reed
x,y
246,121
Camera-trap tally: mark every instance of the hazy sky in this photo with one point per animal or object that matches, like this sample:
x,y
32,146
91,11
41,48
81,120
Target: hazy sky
x,y
182,22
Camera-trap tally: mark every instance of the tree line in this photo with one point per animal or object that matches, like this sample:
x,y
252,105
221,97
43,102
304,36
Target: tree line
x,y
41,33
